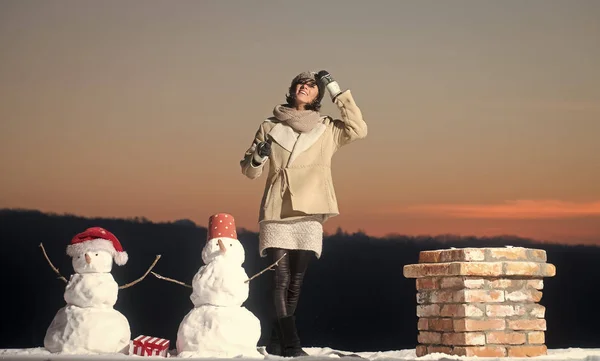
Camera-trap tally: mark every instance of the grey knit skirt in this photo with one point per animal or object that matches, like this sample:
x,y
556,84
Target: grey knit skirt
x,y
304,233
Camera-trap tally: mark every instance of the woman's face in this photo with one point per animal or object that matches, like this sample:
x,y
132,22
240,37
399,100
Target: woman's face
x,y
306,92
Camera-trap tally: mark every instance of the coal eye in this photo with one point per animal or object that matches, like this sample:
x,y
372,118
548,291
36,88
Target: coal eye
x,y
96,254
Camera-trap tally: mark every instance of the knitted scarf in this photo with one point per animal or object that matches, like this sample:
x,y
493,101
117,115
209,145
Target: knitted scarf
x,y
302,121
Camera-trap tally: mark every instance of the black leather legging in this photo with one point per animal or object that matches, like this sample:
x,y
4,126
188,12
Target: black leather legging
x,y
287,278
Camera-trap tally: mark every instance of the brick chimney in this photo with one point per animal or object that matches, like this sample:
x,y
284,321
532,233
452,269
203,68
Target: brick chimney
x,y
481,301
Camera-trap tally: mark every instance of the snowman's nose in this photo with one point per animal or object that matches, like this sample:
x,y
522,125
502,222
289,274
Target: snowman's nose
x,y
222,246
88,259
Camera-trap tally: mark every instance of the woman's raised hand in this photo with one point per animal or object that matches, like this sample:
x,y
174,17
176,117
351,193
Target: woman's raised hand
x,y
326,81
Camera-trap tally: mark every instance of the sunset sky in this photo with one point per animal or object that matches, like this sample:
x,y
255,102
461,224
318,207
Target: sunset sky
x,y
484,116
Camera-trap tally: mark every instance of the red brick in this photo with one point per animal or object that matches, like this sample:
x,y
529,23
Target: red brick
x,y
487,269
522,309
505,338
441,296
527,351
441,324
533,325
521,268
469,324
474,296
425,297
463,338
423,324
439,349
480,268
510,254
430,270
460,310
421,350
524,295
462,255
429,256
503,283
461,282
426,337
428,310
537,311
538,284
480,351
474,283
536,337
537,255
547,270
427,283
500,310
451,282
450,262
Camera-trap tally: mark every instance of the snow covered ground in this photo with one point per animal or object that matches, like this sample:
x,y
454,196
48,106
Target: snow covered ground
x,y
314,355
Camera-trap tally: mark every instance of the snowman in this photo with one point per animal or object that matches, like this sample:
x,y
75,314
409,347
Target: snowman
x,y
218,325
89,324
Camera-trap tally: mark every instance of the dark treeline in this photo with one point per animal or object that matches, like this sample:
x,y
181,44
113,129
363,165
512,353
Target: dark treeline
x,y
355,297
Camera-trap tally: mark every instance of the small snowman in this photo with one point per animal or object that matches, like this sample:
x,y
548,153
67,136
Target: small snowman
x,y
218,325
89,324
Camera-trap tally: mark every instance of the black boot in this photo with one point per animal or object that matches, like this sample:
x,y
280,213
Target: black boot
x,y
274,345
290,342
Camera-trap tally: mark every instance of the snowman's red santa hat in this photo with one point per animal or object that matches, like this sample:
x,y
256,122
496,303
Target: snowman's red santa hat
x,y
97,239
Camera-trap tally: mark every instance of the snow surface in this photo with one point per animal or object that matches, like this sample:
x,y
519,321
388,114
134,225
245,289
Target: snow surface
x,y
315,353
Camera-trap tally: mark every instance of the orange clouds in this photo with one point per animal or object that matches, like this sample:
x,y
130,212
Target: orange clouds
x,y
517,209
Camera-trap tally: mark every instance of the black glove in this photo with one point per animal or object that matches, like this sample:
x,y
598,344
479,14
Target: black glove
x,y
326,81
264,149
262,152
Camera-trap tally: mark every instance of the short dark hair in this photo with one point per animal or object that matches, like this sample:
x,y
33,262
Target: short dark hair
x,y
290,98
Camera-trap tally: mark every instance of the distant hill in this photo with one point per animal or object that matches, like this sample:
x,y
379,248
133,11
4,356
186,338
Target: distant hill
x,y
355,297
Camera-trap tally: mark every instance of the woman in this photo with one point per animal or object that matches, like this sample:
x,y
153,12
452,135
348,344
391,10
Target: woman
x,y
299,196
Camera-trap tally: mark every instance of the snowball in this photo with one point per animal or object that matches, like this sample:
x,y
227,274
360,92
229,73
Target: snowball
x,y
220,283
224,332
76,330
99,261
92,290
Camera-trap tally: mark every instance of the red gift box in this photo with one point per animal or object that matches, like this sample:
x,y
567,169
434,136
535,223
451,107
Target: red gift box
x,y
149,346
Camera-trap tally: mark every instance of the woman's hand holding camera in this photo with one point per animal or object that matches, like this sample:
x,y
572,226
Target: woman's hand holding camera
x,y
262,152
